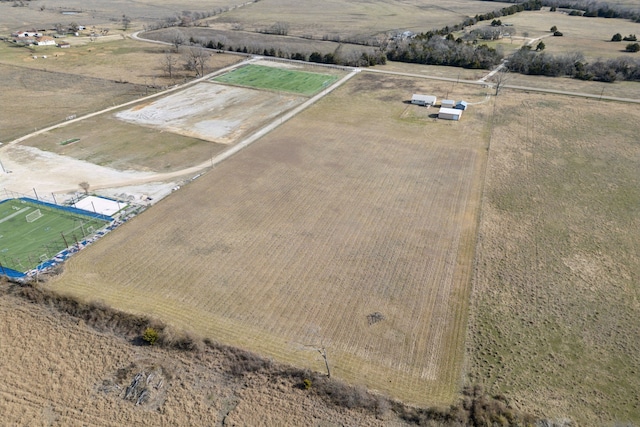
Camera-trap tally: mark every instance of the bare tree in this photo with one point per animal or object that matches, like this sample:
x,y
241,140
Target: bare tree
x,y
279,28
322,349
500,78
169,63
85,186
196,60
177,39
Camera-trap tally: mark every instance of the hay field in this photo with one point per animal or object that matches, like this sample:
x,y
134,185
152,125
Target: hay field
x,y
353,19
556,315
298,241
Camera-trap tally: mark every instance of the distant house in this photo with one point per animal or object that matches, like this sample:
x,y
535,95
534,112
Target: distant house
x,y
448,103
64,45
425,100
24,41
461,105
45,41
25,34
449,113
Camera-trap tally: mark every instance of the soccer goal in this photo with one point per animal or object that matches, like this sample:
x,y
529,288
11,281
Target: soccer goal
x,y
30,217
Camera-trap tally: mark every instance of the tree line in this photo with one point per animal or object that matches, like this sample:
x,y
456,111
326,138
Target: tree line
x,y
527,61
590,8
436,50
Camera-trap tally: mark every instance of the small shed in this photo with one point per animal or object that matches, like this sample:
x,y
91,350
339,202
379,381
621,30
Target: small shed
x,y
425,100
449,113
448,103
461,105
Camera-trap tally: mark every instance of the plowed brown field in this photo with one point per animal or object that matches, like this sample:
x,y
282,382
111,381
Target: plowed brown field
x,y
360,205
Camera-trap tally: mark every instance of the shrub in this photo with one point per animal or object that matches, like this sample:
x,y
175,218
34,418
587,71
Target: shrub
x,y
616,37
540,46
150,336
554,29
630,38
306,383
557,34
633,47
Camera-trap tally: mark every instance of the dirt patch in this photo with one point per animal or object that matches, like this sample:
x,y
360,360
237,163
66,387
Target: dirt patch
x,y
27,168
212,112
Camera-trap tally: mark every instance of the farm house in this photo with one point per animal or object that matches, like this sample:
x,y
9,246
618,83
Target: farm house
x,y
425,100
448,103
45,41
449,113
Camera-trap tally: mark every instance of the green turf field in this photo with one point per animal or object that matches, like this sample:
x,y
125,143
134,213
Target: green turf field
x,y
280,79
24,245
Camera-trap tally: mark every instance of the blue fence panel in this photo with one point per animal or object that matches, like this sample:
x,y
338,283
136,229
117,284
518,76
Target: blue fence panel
x,y
70,209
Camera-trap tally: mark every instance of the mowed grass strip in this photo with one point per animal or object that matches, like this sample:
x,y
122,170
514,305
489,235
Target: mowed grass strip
x,y
279,79
22,243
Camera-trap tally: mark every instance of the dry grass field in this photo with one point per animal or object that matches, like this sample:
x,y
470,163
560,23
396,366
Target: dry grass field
x,y
591,36
233,39
57,370
555,322
298,241
76,81
33,99
99,13
352,19
352,228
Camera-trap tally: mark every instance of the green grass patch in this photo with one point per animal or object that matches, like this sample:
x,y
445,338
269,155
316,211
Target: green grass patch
x,y
24,244
279,79
69,141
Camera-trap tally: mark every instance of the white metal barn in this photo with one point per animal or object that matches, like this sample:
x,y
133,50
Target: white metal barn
x,y
449,113
425,100
448,103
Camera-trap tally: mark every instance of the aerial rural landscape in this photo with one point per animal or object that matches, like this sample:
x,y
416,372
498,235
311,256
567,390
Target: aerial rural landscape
x,y
320,213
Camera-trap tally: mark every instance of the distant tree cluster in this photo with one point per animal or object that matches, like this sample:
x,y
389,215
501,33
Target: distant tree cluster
x,y
526,61
589,8
352,59
436,50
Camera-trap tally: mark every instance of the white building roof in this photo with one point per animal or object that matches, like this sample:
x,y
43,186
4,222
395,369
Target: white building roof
x,y
425,98
450,111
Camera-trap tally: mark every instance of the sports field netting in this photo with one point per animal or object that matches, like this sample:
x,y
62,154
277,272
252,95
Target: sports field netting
x,y
29,238
280,79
